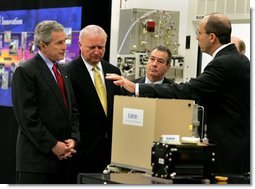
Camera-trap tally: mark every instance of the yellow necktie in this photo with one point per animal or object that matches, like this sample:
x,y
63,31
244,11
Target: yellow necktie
x,y
100,88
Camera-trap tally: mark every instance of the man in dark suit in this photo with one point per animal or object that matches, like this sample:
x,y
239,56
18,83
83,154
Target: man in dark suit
x,y
95,117
48,127
158,64
223,89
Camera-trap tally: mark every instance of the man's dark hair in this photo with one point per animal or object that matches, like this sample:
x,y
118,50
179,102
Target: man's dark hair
x,y
164,49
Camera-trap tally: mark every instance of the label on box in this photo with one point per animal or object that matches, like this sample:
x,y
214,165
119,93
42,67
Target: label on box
x,y
170,138
133,116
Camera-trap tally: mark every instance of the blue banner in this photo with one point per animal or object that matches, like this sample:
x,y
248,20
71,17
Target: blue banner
x,y
26,20
17,35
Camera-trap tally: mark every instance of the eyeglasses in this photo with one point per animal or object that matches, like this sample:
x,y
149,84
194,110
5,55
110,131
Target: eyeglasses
x,y
200,33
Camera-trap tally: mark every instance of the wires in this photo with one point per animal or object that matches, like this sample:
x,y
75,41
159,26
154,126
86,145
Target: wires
x,y
130,28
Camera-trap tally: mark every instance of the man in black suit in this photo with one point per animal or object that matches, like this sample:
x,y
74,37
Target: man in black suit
x,y
48,127
95,120
158,64
223,89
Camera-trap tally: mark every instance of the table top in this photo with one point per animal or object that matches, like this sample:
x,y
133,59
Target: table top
x,y
146,179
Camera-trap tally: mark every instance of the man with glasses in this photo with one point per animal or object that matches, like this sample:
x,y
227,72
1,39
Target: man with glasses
x,y
223,89
94,152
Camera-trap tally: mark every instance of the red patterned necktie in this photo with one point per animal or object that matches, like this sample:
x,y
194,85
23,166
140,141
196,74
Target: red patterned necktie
x,y
60,82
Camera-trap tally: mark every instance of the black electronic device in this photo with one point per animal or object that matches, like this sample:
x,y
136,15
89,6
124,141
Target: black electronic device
x,y
170,160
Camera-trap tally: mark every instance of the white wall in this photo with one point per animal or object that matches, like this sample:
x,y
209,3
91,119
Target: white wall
x,y
243,31
240,30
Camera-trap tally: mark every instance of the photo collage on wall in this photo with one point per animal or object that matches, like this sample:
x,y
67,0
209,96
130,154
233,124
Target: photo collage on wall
x,y
17,40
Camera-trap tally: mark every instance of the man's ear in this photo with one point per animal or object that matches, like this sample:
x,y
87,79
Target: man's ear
x,y
42,45
213,37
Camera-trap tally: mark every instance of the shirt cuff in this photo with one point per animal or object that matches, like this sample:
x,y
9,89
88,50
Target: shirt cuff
x,y
137,89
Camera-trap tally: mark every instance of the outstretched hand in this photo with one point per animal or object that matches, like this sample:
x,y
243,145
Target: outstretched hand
x,y
121,81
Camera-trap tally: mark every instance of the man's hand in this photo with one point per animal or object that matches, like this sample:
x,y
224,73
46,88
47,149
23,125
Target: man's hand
x,y
70,144
64,150
59,149
121,81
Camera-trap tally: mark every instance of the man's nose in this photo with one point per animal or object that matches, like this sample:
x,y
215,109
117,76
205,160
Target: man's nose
x,y
154,62
64,46
97,50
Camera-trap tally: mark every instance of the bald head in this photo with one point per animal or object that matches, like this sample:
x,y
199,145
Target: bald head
x,y
92,30
220,25
239,43
92,42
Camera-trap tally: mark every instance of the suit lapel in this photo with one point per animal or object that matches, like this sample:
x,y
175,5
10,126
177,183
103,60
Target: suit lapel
x,y
84,76
110,87
108,83
48,77
142,80
67,88
86,81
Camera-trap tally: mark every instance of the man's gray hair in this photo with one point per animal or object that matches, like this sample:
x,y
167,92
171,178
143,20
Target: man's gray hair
x,y
44,29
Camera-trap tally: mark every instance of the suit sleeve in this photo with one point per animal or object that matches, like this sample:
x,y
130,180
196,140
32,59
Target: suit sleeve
x,y
205,85
75,125
26,111
74,119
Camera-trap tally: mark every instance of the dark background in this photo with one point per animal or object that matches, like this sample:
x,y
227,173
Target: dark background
x,y
93,12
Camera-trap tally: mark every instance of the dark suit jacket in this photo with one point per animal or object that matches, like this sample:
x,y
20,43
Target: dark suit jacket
x,y
224,90
41,115
95,127
142,80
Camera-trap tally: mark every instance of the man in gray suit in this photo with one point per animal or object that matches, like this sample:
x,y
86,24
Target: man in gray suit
x,y
46,115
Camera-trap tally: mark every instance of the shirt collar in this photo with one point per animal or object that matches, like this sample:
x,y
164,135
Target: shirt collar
x,y
156,82
46,60
221,47
90,67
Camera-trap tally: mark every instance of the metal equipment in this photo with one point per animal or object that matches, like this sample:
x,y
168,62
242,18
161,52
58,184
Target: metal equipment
x,y
170,160
140,31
